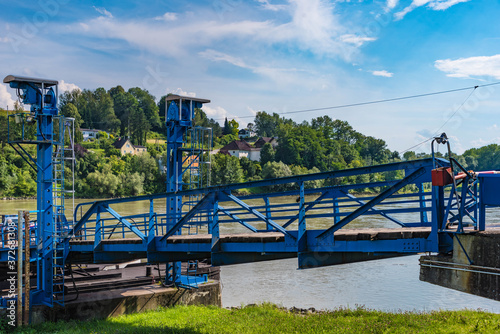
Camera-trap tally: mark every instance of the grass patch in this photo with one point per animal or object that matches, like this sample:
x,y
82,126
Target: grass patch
x,y
268,318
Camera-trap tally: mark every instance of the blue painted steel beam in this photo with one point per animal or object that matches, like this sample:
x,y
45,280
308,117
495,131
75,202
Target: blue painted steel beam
x,y
382,213
284,180
257,213
125,222
309,206
201,205
407,180
237,219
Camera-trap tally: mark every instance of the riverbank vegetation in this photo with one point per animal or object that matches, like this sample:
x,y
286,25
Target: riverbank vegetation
x,y
268,318
323,144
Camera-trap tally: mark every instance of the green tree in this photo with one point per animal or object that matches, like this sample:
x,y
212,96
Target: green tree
x,y
25,185
409,155
272,170
139,127
226,170
125,104
250,168
146,103
147,167
103,183
227,130
70,110
267,154
131,184
234,126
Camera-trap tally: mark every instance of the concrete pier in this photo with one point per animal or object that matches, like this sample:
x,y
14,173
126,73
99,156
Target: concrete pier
x,y
113,303
474,266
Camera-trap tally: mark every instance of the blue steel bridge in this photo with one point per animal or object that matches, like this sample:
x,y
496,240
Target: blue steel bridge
x,y
273,230
445,201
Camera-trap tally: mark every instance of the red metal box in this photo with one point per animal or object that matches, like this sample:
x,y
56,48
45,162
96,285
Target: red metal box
x,y
441,176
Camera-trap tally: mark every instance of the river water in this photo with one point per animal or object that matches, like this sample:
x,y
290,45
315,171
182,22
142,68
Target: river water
x,y
388,285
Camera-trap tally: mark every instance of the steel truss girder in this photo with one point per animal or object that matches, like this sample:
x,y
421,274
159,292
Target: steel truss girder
x,y
257,213
380,212
385,194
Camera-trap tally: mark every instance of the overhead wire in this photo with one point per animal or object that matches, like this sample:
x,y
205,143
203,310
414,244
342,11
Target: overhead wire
x,y
379,101
444,124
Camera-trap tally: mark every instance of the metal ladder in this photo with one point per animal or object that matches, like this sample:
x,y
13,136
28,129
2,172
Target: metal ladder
x,y
58,270
63,157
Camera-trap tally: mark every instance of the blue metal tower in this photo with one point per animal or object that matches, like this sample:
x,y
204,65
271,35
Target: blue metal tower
x,y
180,112
41,95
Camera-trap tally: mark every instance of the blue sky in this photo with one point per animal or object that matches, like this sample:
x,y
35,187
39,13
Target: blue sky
x,y
277,56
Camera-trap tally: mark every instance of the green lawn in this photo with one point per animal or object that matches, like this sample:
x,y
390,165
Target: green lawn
x,y
271,319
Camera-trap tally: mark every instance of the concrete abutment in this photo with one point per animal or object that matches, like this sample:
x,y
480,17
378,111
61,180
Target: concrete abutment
x,y
474,266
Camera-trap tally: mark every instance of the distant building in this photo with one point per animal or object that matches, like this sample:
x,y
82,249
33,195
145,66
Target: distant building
x,y
245,133
126,147
264,140
89,134
240,148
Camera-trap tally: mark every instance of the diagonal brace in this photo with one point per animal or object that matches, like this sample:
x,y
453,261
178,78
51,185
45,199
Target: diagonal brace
x,y
33,164
200,205
380,212
125,222
82,221
309,207
376,200
239,220
258,214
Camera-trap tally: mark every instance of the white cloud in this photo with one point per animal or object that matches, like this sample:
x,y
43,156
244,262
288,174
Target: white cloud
x,y
179,91
469,67
103,12
391,4
312,25
281,75
5,40
219,56
356,40
382,73
6,99
167,17
444,4
66,86
268,6
431,4
174,40
480,142
219,113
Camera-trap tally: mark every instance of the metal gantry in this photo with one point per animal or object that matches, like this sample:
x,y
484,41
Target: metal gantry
x,y
43,127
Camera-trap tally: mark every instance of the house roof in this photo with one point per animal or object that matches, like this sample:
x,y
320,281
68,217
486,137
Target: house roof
x,y
120,142
240,145
138,146
262,141
90,130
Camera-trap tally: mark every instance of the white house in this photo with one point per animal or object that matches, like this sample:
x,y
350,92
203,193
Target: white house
x,y
126,147
240,149
245,133
89,134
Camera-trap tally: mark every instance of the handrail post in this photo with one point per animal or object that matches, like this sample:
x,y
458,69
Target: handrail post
x,y
269,227
302,236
